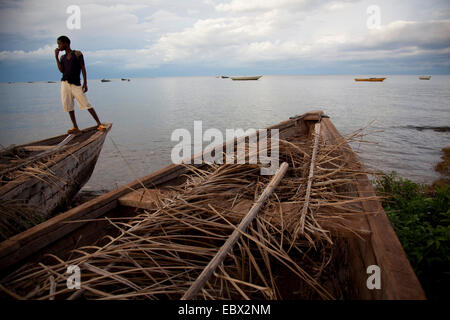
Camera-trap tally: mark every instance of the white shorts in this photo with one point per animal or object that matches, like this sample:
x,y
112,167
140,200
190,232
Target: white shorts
x,y
70,91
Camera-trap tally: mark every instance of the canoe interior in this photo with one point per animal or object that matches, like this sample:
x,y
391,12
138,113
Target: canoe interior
x,y
16,154
346,275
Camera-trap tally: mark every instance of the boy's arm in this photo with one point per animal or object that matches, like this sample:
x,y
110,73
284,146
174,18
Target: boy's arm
x,y
83,70
57,60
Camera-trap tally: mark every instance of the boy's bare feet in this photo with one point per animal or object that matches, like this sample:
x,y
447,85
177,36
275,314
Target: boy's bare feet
x,y
73,130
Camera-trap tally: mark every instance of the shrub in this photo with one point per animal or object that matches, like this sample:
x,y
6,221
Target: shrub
x,y
420,216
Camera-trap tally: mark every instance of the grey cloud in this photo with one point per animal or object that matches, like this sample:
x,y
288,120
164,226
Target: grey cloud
x,y
400,34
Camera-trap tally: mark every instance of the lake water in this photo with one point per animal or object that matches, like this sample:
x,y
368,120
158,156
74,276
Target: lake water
x,y
413,114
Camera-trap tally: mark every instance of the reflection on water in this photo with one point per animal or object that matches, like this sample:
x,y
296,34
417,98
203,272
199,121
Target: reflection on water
x,y
144,113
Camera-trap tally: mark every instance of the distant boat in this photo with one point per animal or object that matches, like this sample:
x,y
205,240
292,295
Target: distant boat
x,y
51,81
246,78
224,77
105,80
425,77
30,81
123,79
370,79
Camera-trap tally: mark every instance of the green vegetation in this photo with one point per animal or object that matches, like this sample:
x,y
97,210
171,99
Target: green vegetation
x,y
443,168
420,215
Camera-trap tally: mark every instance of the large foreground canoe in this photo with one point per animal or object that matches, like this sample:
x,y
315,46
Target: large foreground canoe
x,y
123,261
46,174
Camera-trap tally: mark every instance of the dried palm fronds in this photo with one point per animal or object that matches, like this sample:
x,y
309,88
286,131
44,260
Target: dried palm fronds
x,y
160,252
16,216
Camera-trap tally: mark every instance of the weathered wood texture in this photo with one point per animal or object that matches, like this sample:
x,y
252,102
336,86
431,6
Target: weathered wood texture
x,y
312,166
398,280
143,198
63,178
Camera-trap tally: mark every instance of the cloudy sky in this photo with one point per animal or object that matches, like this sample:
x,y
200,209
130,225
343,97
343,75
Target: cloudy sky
x,y
137,38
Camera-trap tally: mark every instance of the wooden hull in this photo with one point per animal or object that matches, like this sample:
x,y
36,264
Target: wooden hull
x,y
380,245
370,79
246,78
68,171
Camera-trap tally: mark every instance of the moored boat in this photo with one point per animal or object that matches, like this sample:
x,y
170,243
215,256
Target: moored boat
x,y
44,175
246,78
370,79
319,235
425,77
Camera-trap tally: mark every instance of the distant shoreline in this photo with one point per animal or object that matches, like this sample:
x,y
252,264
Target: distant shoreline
x,y
237,72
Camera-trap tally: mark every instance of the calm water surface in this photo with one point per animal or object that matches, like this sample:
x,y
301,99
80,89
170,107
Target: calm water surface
x,y
144,113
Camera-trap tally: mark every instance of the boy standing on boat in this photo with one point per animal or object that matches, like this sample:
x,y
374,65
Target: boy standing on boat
x,y
70,65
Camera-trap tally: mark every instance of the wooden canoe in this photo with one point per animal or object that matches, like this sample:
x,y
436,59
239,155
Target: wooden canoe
x,y
370,79
86,224
246,78
64,163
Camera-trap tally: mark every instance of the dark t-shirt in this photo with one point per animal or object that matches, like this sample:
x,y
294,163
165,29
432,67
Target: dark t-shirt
x,y
72,67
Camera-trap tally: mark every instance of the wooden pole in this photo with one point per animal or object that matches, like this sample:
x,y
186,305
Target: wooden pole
x,y
310,177
223,251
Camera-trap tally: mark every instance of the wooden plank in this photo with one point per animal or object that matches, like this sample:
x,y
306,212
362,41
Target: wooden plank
x,y
223,251
391,252
398,278
310,177
143,198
